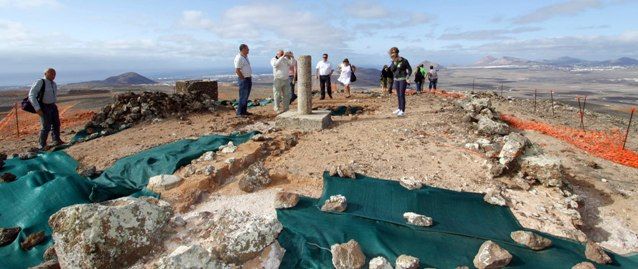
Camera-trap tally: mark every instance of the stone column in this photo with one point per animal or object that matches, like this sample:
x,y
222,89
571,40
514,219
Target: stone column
x,y
304,85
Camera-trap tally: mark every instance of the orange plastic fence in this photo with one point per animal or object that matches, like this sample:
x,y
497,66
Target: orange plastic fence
x,y
30,123
603,144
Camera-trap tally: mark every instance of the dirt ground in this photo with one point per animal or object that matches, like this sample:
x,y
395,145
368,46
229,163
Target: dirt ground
x,y
428,144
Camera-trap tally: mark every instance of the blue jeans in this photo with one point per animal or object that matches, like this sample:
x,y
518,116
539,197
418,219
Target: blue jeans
x,y
49,120
433,84
245,85
419,86
400,86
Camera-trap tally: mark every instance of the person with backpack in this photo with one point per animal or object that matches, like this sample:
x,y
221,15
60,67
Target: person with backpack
x,y
401,71
419,78
433,77
42,97
386,79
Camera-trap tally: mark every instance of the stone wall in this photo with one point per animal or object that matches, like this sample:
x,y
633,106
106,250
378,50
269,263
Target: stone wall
x,y
197,86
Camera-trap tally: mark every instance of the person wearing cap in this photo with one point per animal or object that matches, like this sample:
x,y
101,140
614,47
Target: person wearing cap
x,y
401,70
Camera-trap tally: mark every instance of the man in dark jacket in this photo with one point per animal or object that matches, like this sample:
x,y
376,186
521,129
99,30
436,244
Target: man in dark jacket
x,y
401,70
386,79
419,78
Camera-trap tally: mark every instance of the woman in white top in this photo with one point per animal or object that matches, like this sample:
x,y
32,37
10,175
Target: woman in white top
x,y
346,75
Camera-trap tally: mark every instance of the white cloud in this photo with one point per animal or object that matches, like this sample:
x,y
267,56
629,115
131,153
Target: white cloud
x,y
25,4
493,34
570,7
12,32
195,19
366,10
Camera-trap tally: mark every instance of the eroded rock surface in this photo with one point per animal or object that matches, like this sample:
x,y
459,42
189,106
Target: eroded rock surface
x,y
347,255
491,256
531,240
407,262
336,203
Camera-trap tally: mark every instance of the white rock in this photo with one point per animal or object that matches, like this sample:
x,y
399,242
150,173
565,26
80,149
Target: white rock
x,y
410,183
407,262
189,257
163,182
208,156
380,263
417,219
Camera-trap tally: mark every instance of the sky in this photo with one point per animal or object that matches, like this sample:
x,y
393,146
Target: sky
x,y
101,38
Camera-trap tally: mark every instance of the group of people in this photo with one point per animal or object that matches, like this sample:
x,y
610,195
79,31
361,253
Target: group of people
x,y
421,74
284,68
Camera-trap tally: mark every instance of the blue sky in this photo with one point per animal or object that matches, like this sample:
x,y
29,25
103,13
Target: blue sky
x,y
154,36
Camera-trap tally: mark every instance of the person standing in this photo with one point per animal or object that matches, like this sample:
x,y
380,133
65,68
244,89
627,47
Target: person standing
x,y
419,78
345,76
401,71
324,71
384,78
292,75
281,84
42,96
433,77
244,73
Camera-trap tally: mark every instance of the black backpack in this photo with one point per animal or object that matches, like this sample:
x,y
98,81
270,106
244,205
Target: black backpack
x,y
26,104
353,77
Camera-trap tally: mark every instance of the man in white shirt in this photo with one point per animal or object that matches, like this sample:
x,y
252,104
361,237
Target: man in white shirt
x,y
324,71
43,96
244,73
281,86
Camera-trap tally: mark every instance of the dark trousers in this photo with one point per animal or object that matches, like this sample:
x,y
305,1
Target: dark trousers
x,y
325,85
400,86
245,85
433,84
50,120
293,96
419,86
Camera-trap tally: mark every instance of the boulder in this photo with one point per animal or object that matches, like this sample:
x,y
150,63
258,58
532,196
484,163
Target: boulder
x,y
32,240
531,240
488,126
286,200
50,264
514,147
410,183
232,236
188,257
547,170
417,220
111,234
49,253
491,256
336,203
162,183
407,262
256,178
494,196
270,257
343,171
379,263
584,265
596,253
8,235
347,255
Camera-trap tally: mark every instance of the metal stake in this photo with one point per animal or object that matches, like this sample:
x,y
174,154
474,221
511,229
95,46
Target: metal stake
x,y
472,84
628,126
580,112
534,100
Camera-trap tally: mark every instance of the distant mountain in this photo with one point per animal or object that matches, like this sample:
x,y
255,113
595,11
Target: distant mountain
x,y
126,79
489,61
562,62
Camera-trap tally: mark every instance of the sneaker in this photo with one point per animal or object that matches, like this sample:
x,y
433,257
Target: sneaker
x,y
401,113
396,111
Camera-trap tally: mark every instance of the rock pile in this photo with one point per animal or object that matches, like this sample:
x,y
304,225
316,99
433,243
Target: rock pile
x,y
197,86
479,111
256,178
130,108
113,234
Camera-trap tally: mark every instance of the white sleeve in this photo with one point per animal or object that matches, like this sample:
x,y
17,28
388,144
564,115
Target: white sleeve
x,y
238,62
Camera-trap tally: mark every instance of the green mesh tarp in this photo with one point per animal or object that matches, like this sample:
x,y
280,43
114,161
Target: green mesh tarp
x,y
374,218
50,182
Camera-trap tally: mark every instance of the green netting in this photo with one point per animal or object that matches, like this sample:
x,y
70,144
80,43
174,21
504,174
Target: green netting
x,y
50,182
374,218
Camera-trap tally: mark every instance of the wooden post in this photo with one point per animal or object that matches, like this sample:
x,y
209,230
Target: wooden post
x,y
631,117
472,84
17,121
580,113
551,94
501,89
